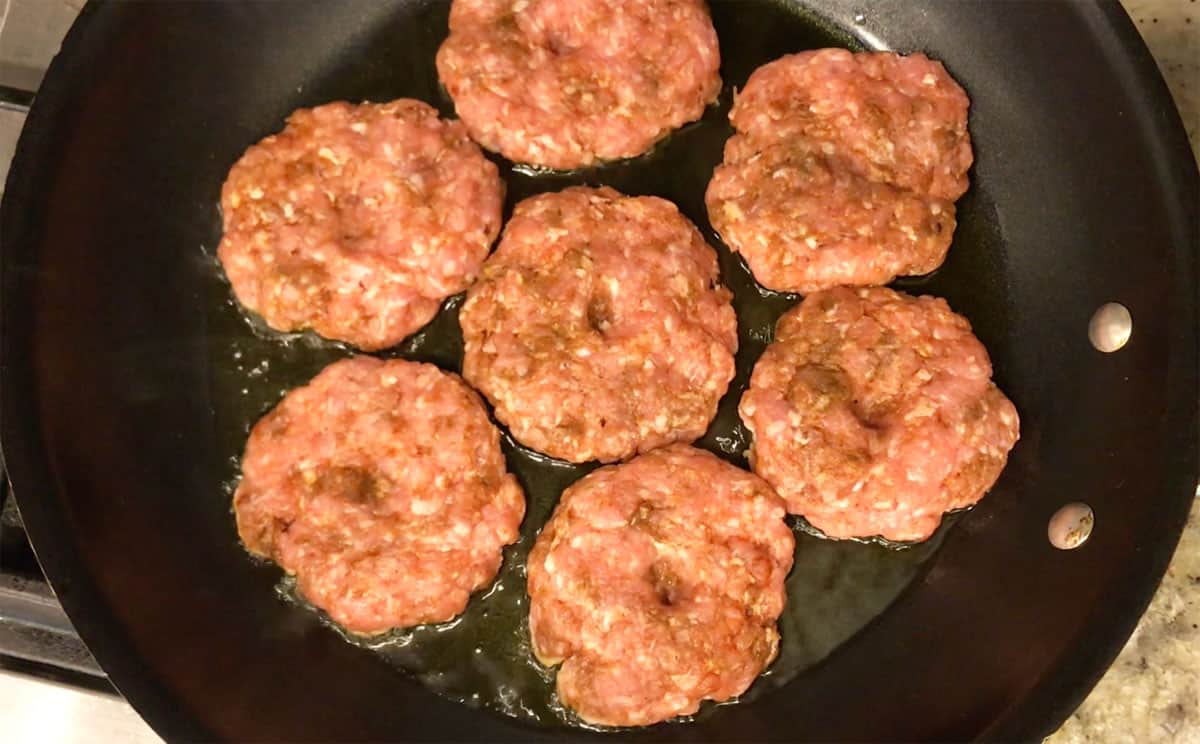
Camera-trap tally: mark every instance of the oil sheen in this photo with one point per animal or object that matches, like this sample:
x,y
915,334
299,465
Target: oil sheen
x,y
483,658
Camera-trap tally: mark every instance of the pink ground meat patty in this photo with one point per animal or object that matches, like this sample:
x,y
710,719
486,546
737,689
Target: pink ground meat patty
x,y
844,169
356,221
381,486
566,83
873,413
657,584
805,222
901,119
598,328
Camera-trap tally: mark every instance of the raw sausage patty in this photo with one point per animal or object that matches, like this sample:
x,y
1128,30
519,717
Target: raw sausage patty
x,y
873,413
382,487
565,83
357,221
844,169
657,584
598,328
900,119
804,221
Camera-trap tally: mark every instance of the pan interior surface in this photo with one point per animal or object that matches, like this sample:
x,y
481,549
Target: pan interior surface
x,y
131,380
483,657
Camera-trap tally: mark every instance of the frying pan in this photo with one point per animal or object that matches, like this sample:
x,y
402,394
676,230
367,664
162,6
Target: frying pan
x,y
129,379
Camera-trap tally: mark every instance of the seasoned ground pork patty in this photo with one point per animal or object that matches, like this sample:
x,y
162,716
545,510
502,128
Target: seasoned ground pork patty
x,y
804,221
900,119
356,221
657,584
598,328
844,169
873,413
566,83
381,486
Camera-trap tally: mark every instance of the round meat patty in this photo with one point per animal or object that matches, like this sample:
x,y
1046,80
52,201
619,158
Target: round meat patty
x,y
804,221
382,488
598,328
565,83
356,221
898,119
657,584
844,169
873,413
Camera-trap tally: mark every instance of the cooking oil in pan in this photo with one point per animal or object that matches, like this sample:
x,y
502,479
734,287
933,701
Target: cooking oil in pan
x,y
483,658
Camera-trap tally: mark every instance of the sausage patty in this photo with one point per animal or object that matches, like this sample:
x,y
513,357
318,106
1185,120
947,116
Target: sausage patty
x,y
900,119
565,83
357,221
844,169
804,221
873,413
598,328
382,487
657,584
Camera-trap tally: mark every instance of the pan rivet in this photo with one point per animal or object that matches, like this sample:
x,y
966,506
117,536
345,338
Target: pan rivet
x,y
1111,327
1071,526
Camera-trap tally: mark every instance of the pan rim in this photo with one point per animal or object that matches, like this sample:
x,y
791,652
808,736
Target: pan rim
x,y
1056,697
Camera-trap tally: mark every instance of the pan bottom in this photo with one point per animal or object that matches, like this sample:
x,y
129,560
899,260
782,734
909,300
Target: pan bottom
x,y
483,658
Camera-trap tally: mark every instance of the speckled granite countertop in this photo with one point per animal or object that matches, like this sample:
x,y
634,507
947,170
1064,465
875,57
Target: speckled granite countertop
x,y
1152,691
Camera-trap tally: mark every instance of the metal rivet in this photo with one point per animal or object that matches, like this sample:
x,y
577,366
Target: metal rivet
x,y
1110,327
1071,526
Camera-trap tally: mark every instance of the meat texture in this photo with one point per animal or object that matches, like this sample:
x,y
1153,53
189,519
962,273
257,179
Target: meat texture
x,y
598,328
565,83
657,584
844,169
356,221
873,413
381,486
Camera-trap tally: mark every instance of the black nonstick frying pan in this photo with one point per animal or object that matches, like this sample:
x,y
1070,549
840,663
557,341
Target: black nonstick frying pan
x,y
129,379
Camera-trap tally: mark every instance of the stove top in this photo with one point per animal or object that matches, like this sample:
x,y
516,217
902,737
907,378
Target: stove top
x,y
51,689
35,634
